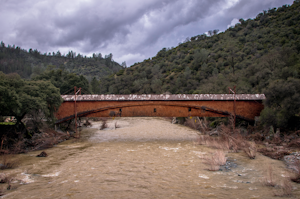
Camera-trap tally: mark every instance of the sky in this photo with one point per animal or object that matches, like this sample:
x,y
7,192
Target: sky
x,y
132,30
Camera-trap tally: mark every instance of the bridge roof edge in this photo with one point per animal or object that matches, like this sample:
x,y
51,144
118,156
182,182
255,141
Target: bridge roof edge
x,y
165,97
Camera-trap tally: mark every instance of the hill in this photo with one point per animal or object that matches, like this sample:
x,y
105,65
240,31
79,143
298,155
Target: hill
x,y
30,63
258,55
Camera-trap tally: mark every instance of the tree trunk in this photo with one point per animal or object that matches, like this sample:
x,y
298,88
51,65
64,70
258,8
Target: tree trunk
x,y
232,64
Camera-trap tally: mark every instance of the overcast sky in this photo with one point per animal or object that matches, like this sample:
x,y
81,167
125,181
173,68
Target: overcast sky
x,y
132,30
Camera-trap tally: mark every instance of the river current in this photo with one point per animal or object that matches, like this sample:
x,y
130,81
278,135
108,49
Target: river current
x,y
143,158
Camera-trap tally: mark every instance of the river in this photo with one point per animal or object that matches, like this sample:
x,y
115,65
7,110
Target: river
x,y
144,158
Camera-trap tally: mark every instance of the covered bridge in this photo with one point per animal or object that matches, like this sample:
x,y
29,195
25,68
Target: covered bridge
x,y
246,106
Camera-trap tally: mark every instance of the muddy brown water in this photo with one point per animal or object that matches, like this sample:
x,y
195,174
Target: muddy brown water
x,y
144,158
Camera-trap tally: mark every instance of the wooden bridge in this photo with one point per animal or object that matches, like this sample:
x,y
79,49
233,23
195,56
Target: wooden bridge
x,y
246,106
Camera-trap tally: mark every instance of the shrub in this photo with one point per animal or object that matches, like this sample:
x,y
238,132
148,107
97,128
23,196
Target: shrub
x,y
216,161
7,162
250,150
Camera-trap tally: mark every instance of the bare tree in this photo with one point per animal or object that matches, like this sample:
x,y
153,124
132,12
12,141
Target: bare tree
x,y
215,31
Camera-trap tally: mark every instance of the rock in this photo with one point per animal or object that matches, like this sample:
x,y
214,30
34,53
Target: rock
x,y
291,161
43,154
3,178
296,154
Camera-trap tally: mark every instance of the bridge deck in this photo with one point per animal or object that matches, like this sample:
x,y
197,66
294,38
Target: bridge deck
x,y
182,105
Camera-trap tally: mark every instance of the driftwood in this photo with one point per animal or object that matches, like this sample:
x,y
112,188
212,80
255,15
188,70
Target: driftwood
x,y
42,154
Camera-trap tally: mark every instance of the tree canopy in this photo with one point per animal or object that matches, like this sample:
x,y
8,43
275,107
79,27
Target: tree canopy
x,y
31,63
20,97
64,80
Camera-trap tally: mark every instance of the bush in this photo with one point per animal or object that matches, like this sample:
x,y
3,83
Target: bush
x,y
282,104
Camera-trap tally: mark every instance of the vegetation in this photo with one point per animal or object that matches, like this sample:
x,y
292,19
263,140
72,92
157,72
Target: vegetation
x,y
19,97
33,103
7,162
37,100
65,81
30,63
229,138
282,185
218,159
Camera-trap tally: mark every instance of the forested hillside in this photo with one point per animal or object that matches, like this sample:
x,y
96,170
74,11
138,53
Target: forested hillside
x,y
31,63
258,55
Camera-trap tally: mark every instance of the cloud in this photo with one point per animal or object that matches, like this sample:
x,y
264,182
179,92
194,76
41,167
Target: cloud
x,y
233,22
132,30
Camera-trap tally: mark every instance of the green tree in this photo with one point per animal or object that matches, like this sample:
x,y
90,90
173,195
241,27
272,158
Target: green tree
x,y
65,81
19,97
282,104
95,86
156,86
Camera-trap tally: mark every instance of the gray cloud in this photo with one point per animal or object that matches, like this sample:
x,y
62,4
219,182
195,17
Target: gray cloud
x,y
132,30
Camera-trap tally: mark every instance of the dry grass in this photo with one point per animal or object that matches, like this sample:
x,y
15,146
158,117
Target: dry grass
x,y
204,125
192,124
276,140
103,125
257,137
214,142
202,139
295,143
45,143
47,139
250,150
196,123
274,154
286,188
228,137
270,179
214,162
7,162
229,140
18,147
